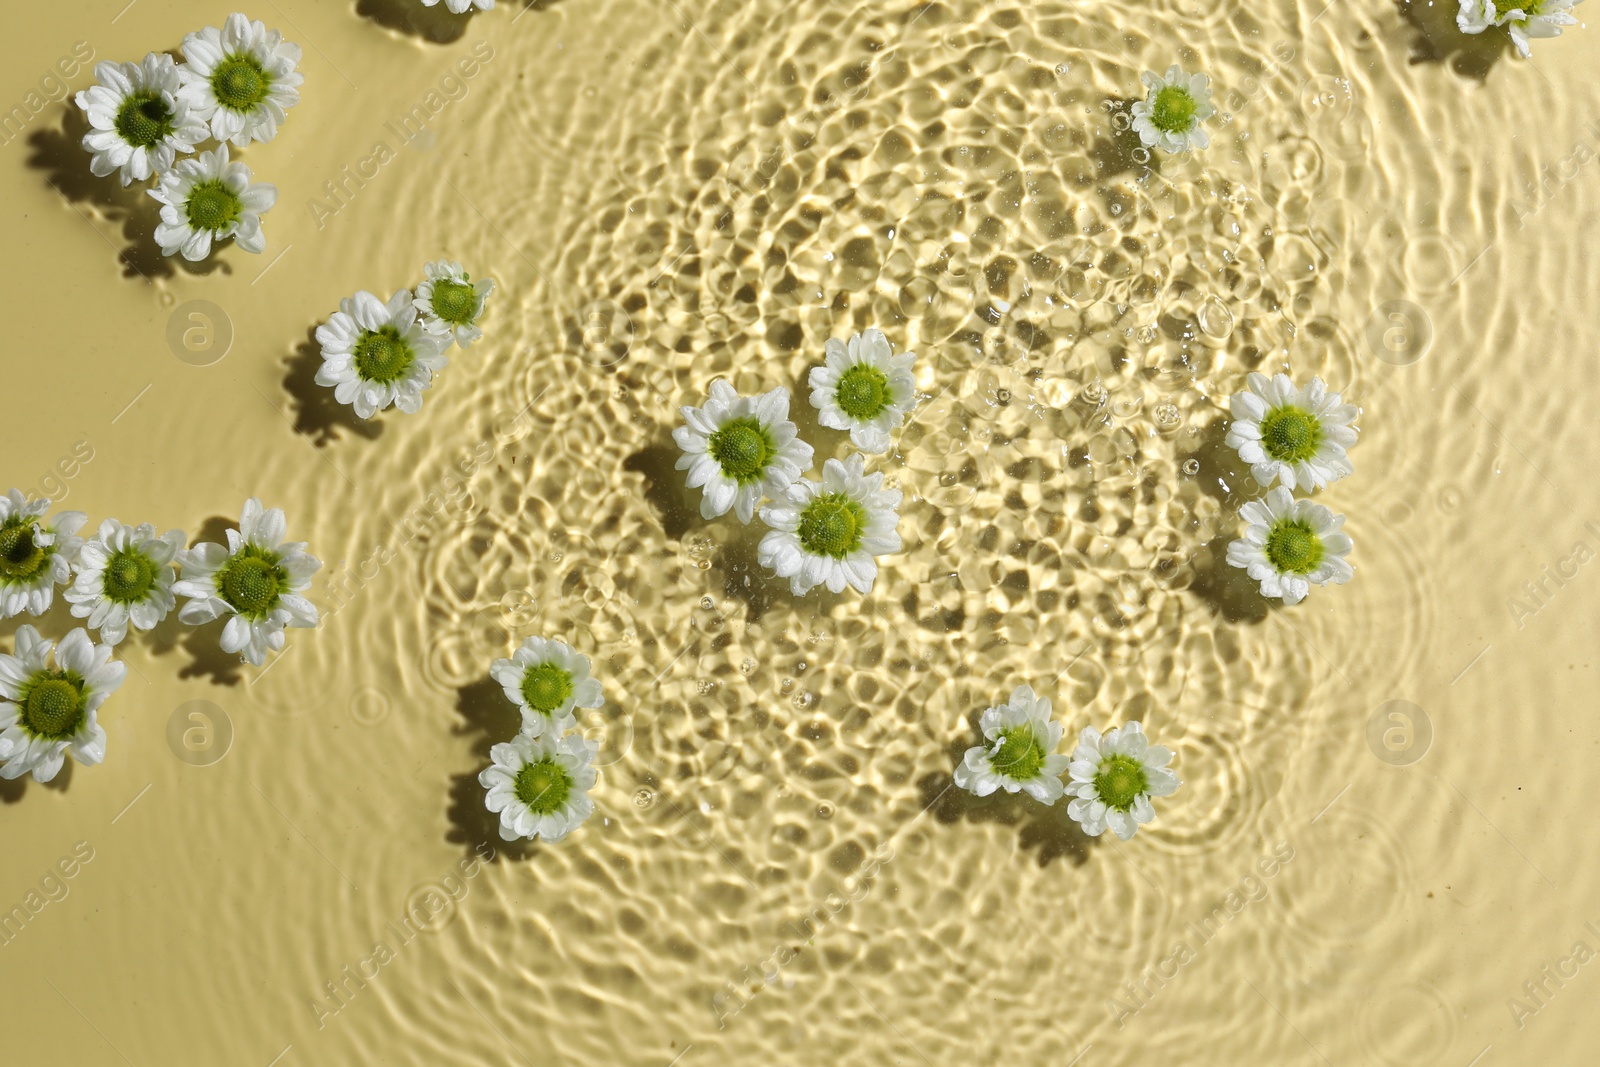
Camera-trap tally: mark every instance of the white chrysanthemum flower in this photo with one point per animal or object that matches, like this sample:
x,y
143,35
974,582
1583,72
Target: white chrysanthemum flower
x,y
863,387
1296,436
125,575
547,678
1114,777
255,583
827,532
208,199
740,448
45,711
376,354
449,303
1524,19
540,785
1170,115
1290,545
140,122
461,7
35,556
241,79
1020,752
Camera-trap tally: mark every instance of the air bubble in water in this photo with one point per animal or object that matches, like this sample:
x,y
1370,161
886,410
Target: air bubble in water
x,y
1191,467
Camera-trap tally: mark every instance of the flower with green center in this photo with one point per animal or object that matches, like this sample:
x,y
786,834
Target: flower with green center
x,y
450,303
207,200
257,582
376,354
49,710
36,554
1113,778
1299,437
1290,545
830,532
1523,19
738,449
863,387
241,79
1019,750
547,679
124,576
539,786
1174,107
140,123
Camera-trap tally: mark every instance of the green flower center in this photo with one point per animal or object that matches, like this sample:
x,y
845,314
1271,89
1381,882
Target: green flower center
x,y
1291,435
252,581
213,206
831,526
239,83
454,301
1021,756
544,786
1293,547
1173,110
143,119
863,391
1529,8
20,557
1120,780
383,355
743,449
546,687
128,576
53,707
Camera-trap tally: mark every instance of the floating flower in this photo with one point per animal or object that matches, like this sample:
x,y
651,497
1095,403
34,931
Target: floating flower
x,y
863,387
547,679
740,448
46,712
35,556
376,354
1169,117
1020,754
255,583
140,122
540,785
241,79
1296,436
1114,777
124,574
827,532
208,199
461,7
1524,19
449,303
1291,545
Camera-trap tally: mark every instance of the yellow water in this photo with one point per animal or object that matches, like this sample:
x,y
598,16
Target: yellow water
x,y
778,870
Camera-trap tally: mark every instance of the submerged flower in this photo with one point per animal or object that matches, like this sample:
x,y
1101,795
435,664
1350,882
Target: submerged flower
x,y
124,574
462,6
376,354
449,303
1170,115
1020,751
1114,777
208,199
863,387
241,79
740,448
540,785
140,122
1296,436
547,679
255,583
45,711
35,556
827,532
1524,19
1291,545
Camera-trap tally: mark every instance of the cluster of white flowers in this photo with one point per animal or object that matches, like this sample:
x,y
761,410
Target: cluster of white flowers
x,y
1296,437
235,85
1522,19
539,782
125,576
1112,775
376,354
740,450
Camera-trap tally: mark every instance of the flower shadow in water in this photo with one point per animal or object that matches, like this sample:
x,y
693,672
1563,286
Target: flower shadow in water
x,y
437,24
1123,152
664,489
489,719
1439,40
317,412
1230,591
